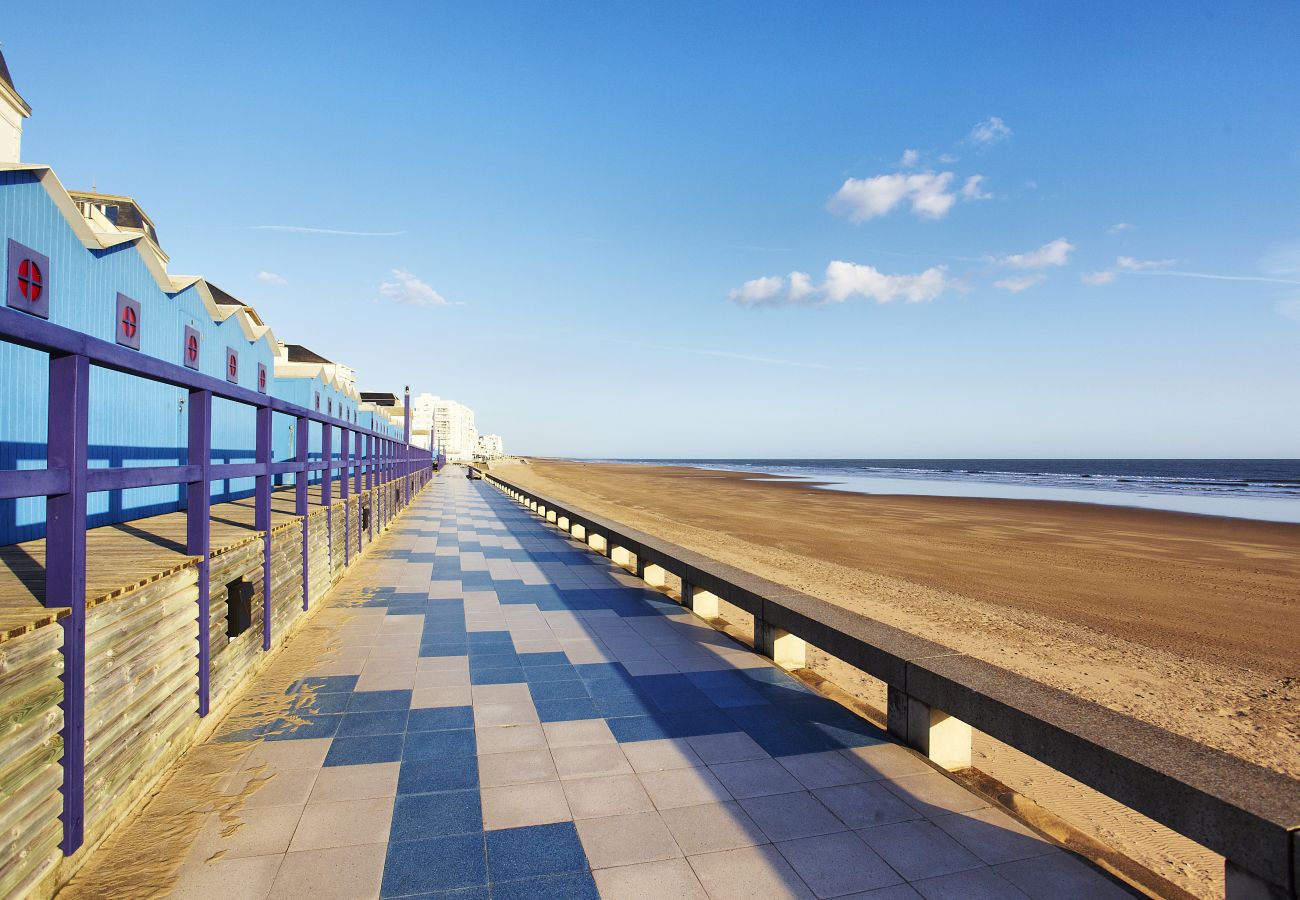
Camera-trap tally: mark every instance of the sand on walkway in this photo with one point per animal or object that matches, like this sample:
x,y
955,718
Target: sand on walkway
x,y
1191,623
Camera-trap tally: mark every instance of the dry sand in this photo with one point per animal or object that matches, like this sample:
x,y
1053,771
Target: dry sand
x,y
1189,622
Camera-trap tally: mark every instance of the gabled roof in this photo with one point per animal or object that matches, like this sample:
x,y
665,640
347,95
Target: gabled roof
x,y
299,353
379,399
7,86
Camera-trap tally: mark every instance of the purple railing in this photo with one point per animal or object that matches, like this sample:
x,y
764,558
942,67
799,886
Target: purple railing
x,y
66,481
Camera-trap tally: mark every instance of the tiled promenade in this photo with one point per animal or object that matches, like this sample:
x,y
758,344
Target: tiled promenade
x,y
507,715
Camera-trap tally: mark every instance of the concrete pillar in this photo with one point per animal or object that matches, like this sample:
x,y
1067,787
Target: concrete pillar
x,y
550,515
563,523
620,555
653,575
945,741
778,645
703,603
599,543
579,532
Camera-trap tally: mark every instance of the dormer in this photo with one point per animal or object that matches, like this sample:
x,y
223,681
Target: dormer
x,y
13,109
114,214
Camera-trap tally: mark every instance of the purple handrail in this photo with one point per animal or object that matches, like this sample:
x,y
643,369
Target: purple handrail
x,y
67,480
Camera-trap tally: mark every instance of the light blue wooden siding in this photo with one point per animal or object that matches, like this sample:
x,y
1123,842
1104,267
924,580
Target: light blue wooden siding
x,y
133,422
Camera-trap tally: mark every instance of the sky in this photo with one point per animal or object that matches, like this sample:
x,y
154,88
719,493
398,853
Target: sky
x,y
728,229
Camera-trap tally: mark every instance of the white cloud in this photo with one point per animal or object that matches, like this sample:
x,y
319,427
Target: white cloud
x,y
1017,283
971,190
1094,279
1053,253
272,278
910,159
406,288
990,131
843,281
1137,265
949,158
759,291
1119,228
302,229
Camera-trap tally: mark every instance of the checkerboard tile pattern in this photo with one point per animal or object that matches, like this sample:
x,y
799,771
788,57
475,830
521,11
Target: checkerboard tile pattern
x,y
508,715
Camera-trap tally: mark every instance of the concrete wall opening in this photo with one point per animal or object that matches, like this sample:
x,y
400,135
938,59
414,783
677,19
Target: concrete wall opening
x,y
239,607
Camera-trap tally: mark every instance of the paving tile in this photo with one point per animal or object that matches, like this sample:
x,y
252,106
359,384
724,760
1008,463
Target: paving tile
x,y
973,884
650,881
343,823
994,836
535,851
427,698
836,864
581,733
1059,875
591,798
886,760
507,738
748,873
579,886
683,787
418,816
732,746
280,755
440,719
933,794
827,769
360,782
627,839
755,778
518,767
518,805
391,721
919,849
660,755
290,787
373,701
439,744
590,761
434,864
250,876
865,805
710,827
259,832
426,776
786,817
351,751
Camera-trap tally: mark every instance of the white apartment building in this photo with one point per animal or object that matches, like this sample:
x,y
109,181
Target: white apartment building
x,y
450,423
490,446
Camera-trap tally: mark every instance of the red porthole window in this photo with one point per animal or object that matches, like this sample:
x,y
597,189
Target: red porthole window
x,y
261,377
190,349
318,403
28,286
128,322
329,406
232,365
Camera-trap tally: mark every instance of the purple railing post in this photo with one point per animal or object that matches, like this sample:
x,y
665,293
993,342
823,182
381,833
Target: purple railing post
x,y
65,571
370,483
198,498
344,484
327,491
300,493
262,514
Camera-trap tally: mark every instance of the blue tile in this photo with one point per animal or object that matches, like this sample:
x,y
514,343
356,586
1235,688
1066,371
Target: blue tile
x,y
480,638
741,696
639,728
625,706
558,887
566,710
356,751
510,675
320,704
696,722
439,744
685,701
610,687
326,684
440,718
417,816
387,721
434,864
374,701
550,673
427,776
556,690
439,651
557,658
308,727
589,671
534,852
479,661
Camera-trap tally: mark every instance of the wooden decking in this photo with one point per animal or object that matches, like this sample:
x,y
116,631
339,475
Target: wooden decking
x,y
125,556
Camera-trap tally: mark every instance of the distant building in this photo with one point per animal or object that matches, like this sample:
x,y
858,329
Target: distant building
x,y
13,109
451,425
490,446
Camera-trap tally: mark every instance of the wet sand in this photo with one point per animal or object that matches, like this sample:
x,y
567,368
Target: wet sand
x,y
1189,622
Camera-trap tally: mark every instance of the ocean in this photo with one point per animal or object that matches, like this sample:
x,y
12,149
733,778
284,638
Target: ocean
x,y
1265,489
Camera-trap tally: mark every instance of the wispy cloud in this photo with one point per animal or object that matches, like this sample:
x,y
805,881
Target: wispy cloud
x,y
910,159
272,278
1120,228
1053,253
1132,264
407,289
843,281
1017,283
1213,277
971,190
991,131
303,229
1096,279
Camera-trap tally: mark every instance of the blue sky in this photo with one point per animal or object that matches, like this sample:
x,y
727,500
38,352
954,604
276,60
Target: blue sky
x,y
582,219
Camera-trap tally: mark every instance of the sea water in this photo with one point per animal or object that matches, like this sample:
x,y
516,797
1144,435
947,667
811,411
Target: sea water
x,y
1264,489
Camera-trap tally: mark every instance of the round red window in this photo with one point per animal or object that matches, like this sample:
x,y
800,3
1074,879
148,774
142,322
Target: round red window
x,y
30,281
232,366
192,348
130,322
